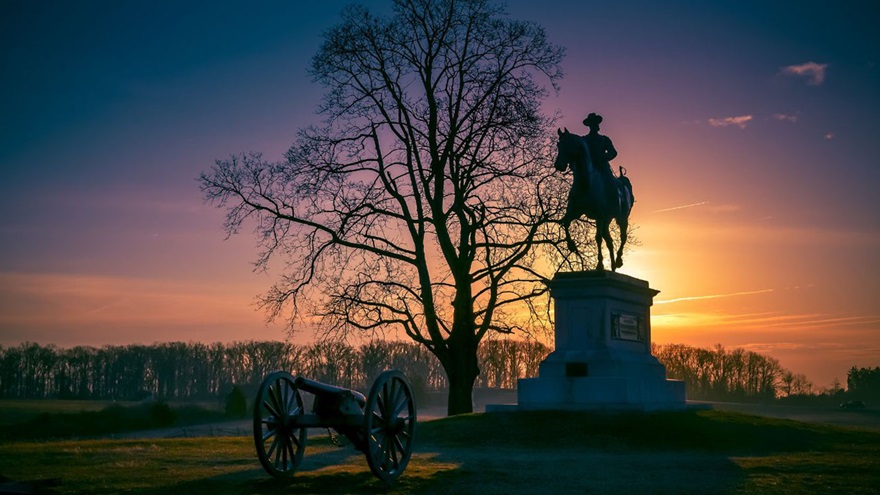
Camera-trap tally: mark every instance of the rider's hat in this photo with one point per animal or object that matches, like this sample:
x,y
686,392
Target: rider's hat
x,y
592,119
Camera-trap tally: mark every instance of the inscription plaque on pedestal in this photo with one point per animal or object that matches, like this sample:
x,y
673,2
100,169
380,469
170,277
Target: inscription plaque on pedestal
x,y
602,357
628,326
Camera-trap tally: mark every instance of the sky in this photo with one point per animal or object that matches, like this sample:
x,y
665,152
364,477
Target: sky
x,y
749,129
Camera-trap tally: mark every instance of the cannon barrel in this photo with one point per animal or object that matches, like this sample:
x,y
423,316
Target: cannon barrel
x,y
323,389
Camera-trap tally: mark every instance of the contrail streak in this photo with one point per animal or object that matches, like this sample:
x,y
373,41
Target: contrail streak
x,y
713,296
680,207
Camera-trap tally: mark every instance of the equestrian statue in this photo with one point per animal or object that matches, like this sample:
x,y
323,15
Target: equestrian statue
x,y
595,191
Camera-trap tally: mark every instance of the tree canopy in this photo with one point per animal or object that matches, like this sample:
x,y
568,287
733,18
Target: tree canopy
x,y
417,204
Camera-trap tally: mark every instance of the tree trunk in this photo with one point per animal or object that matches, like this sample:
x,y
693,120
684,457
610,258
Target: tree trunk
x,y
461,371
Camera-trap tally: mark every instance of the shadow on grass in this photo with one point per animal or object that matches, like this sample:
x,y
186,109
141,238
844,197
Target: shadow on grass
x,y
331,472
493,454
682,452
491,471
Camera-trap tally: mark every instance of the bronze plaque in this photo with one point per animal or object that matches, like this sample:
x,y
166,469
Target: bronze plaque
x,y
627,326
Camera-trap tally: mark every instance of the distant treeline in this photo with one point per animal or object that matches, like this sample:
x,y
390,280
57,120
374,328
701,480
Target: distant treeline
x,y
197,371
729,375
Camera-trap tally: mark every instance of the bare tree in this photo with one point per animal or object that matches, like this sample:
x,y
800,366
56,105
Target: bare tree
x,y
416,206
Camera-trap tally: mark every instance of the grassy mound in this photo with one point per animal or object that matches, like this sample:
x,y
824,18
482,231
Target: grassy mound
x,y
713,431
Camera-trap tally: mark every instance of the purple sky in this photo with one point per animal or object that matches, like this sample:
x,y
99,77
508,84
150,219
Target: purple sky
x,y
750,132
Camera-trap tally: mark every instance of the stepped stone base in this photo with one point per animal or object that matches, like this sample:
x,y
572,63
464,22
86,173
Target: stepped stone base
x,y
592,393
603,355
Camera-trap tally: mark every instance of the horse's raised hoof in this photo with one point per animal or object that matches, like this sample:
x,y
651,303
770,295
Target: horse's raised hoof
x,y
618,264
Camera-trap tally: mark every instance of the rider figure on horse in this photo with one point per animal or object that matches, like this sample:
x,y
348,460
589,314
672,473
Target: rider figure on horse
x,y
601,153
601,149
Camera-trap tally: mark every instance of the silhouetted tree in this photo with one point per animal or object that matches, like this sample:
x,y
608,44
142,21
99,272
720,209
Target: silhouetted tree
x,y
416,205
835,390
864,383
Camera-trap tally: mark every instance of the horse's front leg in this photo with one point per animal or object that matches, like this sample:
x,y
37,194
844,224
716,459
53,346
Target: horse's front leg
x,y
609,241
606,234
623,224
569,242
600,225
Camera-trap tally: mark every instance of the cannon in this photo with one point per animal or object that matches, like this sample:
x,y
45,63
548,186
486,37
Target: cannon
x,y
381,425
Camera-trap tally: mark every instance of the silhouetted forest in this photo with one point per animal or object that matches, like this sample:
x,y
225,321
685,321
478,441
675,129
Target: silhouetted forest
x,y
197,371
729,375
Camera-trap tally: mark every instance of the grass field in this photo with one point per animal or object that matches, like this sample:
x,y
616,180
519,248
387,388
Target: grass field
x,y
704,452
52,419
18,411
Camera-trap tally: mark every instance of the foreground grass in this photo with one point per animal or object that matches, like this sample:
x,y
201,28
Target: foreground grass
x,y
686,452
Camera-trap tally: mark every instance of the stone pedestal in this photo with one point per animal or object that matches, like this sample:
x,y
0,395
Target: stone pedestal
x,y
603,349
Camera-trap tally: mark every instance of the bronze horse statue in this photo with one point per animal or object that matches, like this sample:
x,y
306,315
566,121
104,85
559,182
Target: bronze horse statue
x,y
594,193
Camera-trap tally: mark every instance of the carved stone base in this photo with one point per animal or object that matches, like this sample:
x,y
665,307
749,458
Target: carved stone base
x,y
600,393
603,349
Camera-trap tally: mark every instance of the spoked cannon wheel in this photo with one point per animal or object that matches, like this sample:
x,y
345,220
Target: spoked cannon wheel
x,y
280,443
390,423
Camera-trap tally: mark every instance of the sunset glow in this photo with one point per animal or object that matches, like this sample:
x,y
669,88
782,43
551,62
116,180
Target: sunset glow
x,y
749,132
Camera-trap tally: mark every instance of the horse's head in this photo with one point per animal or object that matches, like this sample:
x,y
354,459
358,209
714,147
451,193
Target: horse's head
x,y
569,149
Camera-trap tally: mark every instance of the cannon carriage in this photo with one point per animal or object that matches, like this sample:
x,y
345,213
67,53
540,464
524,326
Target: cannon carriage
x,y
381,424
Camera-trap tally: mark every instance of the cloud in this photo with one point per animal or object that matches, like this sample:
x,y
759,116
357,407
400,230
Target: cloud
x,y
713,319
770,347
726,208
767,323
829,135
69,309
772,232
811,70
785,117
830,321
739,121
